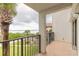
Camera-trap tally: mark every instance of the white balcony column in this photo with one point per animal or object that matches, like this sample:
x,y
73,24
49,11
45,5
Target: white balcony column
x,y
42,31
78,35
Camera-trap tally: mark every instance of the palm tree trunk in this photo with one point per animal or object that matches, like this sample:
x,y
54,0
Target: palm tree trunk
x,y
5,33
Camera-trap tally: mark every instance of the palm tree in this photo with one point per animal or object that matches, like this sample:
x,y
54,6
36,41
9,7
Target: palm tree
x,y
7,12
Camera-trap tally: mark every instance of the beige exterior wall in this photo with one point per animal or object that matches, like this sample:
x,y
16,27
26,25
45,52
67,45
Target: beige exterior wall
x,y
62,26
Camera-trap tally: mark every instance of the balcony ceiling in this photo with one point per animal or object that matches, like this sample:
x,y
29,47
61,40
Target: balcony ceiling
x,y
44,6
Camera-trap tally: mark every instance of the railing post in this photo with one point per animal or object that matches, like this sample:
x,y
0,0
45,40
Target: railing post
x,y
21,46
5,49
39,44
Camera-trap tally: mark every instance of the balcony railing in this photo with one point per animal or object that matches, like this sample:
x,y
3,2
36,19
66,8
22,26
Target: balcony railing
x,y
50,37
26,46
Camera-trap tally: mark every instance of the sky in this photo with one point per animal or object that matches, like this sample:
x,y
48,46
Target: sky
x,y
26,19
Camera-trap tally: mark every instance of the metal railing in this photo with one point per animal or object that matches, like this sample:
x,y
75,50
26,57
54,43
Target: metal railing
x,y
26,46
50,37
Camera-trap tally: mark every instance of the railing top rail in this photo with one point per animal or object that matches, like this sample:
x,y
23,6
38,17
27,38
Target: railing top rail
x,y
19,38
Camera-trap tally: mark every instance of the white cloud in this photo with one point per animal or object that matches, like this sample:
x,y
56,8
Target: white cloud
x,y
26,18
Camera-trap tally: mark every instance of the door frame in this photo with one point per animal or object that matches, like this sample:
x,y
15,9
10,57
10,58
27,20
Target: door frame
x,y
74,34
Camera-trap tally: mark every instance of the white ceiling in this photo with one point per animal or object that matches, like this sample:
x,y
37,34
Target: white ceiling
x,y
42,6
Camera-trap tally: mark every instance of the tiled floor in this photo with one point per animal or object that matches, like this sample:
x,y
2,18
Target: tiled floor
x,y
60,48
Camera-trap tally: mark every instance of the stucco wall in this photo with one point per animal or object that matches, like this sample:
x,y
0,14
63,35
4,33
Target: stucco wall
x,y
62,26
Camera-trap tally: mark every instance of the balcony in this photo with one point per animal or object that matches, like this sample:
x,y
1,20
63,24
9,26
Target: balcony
x,y
33,45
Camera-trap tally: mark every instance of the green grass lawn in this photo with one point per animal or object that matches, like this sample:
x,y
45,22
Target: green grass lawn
x,y
30,50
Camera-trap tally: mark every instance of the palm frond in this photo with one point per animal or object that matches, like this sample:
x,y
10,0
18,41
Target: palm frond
x,y
7,12
10,7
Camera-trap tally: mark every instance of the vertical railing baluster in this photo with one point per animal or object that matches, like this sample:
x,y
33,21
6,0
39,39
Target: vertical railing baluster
x,y
30,45
13,48
32,48
18,47
34,45
21,46
25,46
39,43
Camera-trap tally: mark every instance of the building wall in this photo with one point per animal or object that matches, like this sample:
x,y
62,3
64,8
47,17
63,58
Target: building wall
x,y
62,26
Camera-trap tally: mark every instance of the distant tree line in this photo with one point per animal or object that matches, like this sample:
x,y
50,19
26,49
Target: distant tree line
x,y
18,35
